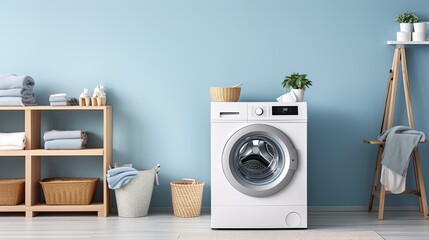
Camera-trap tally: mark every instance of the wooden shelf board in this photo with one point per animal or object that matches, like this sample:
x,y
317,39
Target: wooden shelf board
x,y
15,208
377,192
391,42
44,152
83,152
67,108
12,108
42,207
19,108
377,142
11,153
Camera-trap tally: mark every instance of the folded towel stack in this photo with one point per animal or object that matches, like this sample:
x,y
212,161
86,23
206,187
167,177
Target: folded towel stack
x,y
16,90
61,99
12,141
75,139
118,177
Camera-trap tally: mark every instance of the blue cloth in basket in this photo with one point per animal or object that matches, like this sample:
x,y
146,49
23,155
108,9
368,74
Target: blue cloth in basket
x,y
118,177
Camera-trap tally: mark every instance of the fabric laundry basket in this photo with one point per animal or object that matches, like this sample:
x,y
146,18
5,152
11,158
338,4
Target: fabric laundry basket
x,y
133,199
187,195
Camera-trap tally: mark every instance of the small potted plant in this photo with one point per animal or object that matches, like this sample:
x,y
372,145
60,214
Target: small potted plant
x,y
419,33
419,26
298,83
406,21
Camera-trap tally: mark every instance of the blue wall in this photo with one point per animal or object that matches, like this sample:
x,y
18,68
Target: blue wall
x,y
159,58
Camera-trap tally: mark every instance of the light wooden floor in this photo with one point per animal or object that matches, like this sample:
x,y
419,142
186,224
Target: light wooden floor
x,y
160,226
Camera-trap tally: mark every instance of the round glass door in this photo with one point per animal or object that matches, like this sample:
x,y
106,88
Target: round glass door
x,y
259,160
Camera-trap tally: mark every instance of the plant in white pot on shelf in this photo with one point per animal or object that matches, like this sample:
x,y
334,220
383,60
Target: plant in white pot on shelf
x,y
419,33
298,83
406,21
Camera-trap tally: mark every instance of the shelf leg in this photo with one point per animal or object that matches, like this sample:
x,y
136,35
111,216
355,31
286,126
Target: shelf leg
x,y
375,179
30,214
381,205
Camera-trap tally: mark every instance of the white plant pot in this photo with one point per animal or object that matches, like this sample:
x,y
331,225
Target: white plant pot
x,y
406,27
419,36
420,27
403,36
299,93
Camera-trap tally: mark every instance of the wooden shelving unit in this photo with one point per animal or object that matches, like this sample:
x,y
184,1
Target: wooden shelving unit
x,y
33,153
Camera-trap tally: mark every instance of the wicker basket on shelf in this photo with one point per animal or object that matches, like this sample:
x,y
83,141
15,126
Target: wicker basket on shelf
x,y
11,191
69,191
187,195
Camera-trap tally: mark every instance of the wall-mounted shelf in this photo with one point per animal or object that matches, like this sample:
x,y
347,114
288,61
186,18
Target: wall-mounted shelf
x,y
408,42
33,153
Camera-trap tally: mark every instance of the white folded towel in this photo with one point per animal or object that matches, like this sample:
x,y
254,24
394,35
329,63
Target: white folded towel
x,y
288,97
12,141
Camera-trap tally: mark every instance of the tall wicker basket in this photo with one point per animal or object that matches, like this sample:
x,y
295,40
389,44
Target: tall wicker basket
x,y
187,195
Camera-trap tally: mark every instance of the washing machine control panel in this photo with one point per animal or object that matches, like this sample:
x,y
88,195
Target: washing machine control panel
x,y
261,111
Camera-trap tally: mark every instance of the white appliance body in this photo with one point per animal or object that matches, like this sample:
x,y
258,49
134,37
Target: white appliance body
x,y
258,165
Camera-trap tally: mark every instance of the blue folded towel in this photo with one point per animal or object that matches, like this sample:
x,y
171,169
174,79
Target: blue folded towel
x,y
9,81
118,177
65,144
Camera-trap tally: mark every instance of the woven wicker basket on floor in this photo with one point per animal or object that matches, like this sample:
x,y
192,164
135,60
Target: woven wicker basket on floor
x,y
187,196
11,191
69,191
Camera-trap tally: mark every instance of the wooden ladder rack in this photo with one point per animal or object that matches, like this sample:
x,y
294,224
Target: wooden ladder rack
x,y
399,58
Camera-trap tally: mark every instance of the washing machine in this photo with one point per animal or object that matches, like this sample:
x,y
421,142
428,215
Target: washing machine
x,y
258,165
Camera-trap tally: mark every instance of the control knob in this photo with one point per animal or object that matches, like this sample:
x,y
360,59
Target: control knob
x,y
259,111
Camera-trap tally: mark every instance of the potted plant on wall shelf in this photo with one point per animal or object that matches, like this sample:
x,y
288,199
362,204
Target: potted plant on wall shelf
x,y
298,83
406,21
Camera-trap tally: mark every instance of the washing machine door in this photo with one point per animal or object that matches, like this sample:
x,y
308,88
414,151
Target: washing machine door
x,y
259,160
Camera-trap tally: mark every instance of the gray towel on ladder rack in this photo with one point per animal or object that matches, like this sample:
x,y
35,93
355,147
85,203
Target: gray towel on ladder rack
x,y
400,143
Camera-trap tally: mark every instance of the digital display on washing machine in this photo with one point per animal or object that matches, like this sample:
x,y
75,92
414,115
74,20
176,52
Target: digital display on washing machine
x,y
285,110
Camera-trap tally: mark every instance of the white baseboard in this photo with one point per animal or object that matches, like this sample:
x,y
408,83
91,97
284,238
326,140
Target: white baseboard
x,y
310,209
359,208
163,210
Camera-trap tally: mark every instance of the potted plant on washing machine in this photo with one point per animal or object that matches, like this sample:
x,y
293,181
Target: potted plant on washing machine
x,y
297,83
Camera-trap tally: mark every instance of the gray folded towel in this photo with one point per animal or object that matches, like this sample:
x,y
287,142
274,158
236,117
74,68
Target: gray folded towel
x,y
68,134
11,101
64,144
9,81
60,103
17,92
58,98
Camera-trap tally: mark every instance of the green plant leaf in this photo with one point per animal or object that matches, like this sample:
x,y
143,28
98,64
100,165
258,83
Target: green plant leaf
x,y
296,81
